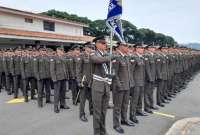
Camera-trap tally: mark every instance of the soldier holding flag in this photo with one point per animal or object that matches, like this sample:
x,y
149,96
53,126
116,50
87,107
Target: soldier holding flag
x,y
100,85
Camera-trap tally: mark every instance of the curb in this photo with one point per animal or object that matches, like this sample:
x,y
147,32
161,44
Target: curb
x,y
182,127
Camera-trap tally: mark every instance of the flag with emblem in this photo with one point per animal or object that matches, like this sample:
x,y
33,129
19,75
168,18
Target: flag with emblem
x,y
114,18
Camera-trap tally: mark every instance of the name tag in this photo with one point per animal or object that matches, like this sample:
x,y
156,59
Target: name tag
x,y
92,54
132,61
146,59
158,60
114,61
51,60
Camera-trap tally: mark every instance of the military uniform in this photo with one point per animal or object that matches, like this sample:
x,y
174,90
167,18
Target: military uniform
x,y
1,71
43,79
17,76
149,81
27,76
7,74
100,92
137,101
84,78
121,91
72,75
59,75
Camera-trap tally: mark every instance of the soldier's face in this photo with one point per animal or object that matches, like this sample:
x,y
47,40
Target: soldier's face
x,y
164,50
101,45
133,49
140,50
60,52
77,52
124,48
152,49
89,50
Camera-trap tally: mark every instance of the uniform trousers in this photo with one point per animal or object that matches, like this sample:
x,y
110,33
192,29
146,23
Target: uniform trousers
x,y
74,88
121,102
85,93
100,99
148,95
29,83
59,93
17,84
160,91
135,95
43,84
9,83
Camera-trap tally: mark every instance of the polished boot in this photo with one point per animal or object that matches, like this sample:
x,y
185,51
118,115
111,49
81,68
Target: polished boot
x,y
135,120
148,110
141,114
127,123
119,129
64,107
56,109
83,118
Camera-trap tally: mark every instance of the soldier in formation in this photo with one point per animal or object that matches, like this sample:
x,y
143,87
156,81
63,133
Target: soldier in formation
x,y
138,73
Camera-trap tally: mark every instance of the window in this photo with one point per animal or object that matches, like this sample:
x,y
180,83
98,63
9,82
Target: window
x,y
49,26
28,20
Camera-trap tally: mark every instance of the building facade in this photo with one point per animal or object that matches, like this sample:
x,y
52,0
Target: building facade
x,y
24,28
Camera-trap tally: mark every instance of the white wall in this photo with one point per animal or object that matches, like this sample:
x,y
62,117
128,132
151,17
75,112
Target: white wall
x,y
18,22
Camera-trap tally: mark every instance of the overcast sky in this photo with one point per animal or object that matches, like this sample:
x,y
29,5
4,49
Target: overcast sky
x,y
177,18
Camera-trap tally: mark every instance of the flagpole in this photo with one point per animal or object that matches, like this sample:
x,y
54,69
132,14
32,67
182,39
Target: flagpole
x,y
111,49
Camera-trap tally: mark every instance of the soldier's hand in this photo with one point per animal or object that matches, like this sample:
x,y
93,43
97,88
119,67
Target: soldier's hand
x,y
80,85
110,76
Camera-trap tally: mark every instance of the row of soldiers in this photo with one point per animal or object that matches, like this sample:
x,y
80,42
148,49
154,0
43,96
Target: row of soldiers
x,y
133,74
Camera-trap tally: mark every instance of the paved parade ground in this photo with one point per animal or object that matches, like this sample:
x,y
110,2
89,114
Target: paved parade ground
x,y
27,119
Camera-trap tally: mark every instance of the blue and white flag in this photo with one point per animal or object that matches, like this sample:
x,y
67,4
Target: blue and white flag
x,y
114,18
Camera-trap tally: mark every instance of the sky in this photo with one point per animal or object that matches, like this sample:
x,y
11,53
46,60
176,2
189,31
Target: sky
x,y
177,18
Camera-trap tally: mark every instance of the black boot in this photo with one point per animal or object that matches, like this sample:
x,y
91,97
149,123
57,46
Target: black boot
x,y
56,109
64,107
83,118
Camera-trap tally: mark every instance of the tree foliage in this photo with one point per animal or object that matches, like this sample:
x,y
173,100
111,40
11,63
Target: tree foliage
x,y
131,33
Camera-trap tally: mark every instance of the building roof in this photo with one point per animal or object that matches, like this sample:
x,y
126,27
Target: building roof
x,y
39,16
13,33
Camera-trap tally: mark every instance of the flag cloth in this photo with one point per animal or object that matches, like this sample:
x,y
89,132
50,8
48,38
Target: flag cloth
x,y
114,18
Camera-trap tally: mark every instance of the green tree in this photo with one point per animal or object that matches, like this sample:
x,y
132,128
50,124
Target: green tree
x,y
131,33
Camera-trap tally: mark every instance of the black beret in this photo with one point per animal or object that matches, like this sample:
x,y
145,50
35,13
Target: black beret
x,y
75,47
100,38
145,46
